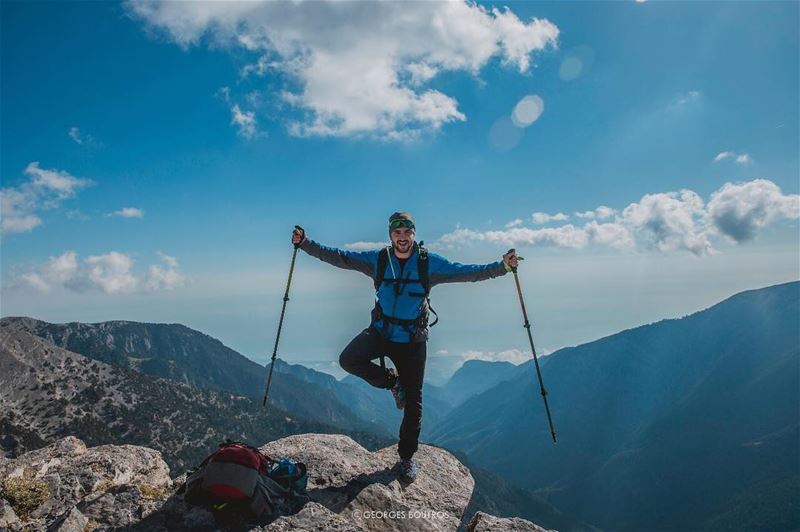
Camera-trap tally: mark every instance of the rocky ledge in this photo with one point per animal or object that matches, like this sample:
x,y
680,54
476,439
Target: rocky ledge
x,y
68,487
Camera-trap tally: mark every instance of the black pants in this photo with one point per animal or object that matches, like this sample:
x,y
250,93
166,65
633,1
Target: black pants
x,y
409,359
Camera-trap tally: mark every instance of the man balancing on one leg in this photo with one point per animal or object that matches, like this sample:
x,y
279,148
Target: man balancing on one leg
x,y
403,275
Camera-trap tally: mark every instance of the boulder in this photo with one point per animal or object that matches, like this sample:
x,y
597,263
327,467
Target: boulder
x,y
362,486
111,485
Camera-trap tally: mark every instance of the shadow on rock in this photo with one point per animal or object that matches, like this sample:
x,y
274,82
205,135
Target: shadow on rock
x,y
336,498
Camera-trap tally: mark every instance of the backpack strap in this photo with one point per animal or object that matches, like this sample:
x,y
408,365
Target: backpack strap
x,y
380,273
383,261
423,270
422,267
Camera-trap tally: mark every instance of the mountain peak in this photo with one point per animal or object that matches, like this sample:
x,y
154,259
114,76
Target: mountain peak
x,y
68,486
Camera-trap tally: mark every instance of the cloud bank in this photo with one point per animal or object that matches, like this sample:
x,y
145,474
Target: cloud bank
x,y
357,68
111,273
666,222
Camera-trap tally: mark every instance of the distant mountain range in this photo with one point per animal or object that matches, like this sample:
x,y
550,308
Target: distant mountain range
x,y
684,424
182,354
49,392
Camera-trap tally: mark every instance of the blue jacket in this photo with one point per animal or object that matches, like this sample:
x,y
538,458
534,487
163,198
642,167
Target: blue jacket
x,y
404,300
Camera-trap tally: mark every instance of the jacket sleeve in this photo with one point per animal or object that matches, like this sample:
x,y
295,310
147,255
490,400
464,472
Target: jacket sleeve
x,y
362,261
444,271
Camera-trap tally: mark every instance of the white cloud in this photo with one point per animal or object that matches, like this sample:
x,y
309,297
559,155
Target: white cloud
x,y
615,235
740,158
260,67
35,281
75,134
110,273
45,189
567,236
61,184
670,221
601,213
543,217
61,270
514,223
365,246
129,212
358,68
16,209
245,122
421,73
739,210
165,277
667,222
82,138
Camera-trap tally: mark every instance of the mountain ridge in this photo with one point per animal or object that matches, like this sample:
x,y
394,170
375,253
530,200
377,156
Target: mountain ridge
x,y
54,392
616,395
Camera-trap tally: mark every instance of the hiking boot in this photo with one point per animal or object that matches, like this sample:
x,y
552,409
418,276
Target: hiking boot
x,y
399,394
408,470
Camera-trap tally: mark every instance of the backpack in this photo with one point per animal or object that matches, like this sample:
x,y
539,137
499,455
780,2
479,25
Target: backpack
x,y
238,481
423,268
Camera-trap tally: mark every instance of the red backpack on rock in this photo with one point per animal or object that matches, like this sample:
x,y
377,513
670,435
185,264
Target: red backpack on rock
x,y
236,478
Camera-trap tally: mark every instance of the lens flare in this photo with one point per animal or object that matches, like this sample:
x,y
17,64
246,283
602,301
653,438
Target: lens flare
x,y
527,110
576,63
504,135
571,68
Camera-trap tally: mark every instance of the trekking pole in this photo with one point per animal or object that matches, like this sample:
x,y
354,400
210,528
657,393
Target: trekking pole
x,y
533,349
280,322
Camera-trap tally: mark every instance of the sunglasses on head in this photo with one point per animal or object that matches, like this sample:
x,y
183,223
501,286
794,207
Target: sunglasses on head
x,y
401,223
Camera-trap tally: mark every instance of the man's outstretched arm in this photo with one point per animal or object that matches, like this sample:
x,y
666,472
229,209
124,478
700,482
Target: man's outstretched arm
x,y
444,271
362,261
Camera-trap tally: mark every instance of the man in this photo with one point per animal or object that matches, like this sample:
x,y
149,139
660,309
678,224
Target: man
x,y
399,325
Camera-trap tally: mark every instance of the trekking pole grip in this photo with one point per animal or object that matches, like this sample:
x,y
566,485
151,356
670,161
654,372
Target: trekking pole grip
x,y
304,236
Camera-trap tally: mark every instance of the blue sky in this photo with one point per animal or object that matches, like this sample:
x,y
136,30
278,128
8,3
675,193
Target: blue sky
x,y
161,109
